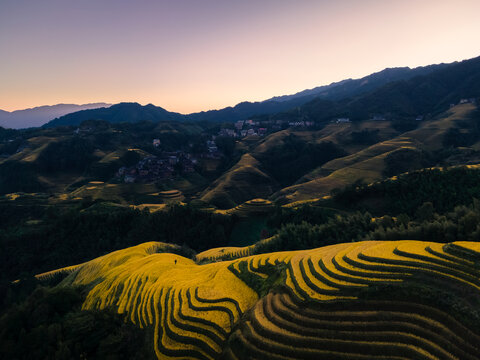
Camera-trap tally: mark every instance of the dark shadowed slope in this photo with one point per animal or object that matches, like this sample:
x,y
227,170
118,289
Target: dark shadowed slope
x,y
421,95
352,87
123,112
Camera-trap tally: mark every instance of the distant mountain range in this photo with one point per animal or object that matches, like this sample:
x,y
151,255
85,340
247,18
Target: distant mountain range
x,y
133,112
393,91
428,93
38,116
352,87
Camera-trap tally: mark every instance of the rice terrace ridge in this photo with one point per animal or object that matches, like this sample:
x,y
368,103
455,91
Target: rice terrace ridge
x,y
326,302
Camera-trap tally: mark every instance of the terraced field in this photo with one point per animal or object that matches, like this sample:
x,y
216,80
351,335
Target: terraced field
x,y
368,164
255,206
235,185
144,193
366,300
252,207
171,196
217,254
281,328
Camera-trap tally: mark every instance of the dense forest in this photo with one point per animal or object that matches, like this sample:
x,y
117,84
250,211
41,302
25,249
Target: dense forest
x,y
445,188
50,324
461,224
430,205
66,237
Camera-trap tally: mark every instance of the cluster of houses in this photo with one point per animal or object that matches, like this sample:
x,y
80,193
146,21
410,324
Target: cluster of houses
x,y
376,117
250,127
301,123
212,150
244,128
157,168
166,165
467,101
379,117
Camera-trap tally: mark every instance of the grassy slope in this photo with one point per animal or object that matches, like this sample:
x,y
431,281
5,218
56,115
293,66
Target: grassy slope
x,y
33,148
368,164
123,193
29,155
193,308
235,186
135,193
244,181
107,156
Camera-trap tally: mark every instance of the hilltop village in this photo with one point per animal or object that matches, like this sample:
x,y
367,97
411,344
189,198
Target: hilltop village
x,y
157,168
167,164
244,128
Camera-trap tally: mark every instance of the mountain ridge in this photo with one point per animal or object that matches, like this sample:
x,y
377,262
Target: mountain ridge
x,y
403,99
38,115
385,76
243,110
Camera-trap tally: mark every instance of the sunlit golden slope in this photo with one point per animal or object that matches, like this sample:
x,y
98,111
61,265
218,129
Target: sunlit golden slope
x,y
192,308
226,252
202,311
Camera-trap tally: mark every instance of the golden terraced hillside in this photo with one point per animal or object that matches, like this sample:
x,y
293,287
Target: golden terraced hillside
x,y
366,300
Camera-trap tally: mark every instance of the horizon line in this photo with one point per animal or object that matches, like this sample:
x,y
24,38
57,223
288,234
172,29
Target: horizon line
x,y
271,98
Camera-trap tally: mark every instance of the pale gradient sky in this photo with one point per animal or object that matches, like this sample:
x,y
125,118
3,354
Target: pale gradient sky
x,y
192,55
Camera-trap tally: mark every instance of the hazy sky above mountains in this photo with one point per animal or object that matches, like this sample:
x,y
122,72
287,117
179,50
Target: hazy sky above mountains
x,y
192,55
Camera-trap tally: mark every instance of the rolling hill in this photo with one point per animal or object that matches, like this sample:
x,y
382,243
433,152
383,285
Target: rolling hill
x,y
288,165
428,95
52,159
309,164
369,164
235,186
373,299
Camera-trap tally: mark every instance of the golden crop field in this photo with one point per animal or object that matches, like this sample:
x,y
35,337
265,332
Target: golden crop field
x,y
309,304
217,254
